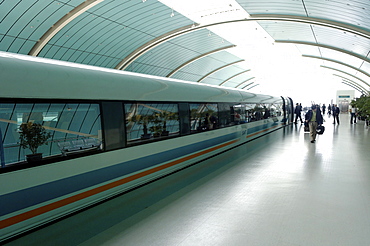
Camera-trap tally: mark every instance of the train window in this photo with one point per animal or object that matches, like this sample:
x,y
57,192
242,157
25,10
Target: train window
x,y
68,128
203,116
148,121
240,114
226,114
254,112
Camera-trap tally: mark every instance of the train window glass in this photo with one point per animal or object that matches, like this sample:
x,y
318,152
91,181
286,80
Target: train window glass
x,y
184,120
203,116
148,121
266,111
240,114
273,110
255,112
70,128
226,114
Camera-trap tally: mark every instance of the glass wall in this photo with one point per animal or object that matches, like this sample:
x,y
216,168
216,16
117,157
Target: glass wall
x,y
148,121
68,128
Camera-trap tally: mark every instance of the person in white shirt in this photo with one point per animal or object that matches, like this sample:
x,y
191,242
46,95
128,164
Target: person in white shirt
x,y
353,112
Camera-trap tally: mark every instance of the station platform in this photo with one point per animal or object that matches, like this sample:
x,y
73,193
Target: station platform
x,y
280,189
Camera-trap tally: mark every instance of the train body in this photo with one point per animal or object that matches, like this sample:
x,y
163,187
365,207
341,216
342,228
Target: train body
x,y
110,131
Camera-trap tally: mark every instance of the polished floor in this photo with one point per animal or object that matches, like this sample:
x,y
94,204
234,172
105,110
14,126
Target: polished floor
x,y
278,190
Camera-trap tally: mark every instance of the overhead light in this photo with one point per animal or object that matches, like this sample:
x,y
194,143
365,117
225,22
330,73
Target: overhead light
x,y
172,14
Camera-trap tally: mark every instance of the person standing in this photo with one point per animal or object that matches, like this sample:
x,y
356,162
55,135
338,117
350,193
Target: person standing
x,y
314,119
323,109
336,112
329,109
297,111
353,112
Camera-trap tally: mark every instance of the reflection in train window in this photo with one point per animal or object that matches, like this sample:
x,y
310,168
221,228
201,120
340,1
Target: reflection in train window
x,y
226,114
148,121
240,114
72,128
203,116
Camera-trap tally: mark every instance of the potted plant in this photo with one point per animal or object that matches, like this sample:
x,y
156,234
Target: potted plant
x,y
167,116
143,120
33,135
157,127
363,105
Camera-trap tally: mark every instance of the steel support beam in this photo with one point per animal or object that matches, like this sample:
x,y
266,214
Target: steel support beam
x,y
80,9
197,58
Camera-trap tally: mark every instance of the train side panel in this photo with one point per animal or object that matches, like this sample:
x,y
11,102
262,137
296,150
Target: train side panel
x,y
48,192
107,110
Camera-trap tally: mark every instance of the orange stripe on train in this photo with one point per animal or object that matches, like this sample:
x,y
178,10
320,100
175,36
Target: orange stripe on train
x,y
55,205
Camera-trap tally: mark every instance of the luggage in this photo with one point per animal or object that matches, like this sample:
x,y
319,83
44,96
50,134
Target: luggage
x,y
320,130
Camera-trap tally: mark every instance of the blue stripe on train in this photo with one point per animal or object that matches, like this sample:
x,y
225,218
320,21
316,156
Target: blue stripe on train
x,y
34,195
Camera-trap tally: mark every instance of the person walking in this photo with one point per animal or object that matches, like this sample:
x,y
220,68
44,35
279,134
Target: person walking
x,y
323,109
336,112
314,119
297,111
329,109
353,112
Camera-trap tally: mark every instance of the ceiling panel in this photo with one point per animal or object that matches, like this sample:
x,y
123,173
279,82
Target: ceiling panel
x,y
269,7
343,40
279,30
107,34
196,70
225,74
27,21
186,47
351,12
212,81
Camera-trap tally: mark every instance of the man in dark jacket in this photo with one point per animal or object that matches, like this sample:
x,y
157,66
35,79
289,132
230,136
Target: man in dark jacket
x,y
336,112
314,118
297,111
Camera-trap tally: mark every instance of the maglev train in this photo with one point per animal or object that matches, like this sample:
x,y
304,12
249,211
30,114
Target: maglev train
x,y
74,135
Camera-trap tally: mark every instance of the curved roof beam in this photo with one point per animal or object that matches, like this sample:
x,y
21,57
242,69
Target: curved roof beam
x,y
252,86
245,82
346,74
218,69
70,16
312,21
353,86
247,85
197,58
364,58
234,77
191,28
363,89
154,43
338,62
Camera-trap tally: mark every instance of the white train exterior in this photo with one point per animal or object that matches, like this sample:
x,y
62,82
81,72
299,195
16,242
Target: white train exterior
x,y
108,133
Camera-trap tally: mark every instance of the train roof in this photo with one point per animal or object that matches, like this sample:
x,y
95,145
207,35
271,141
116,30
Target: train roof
x,y
32,77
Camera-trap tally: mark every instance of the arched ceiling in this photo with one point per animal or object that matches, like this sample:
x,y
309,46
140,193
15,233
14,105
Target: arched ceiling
x,y
179,39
